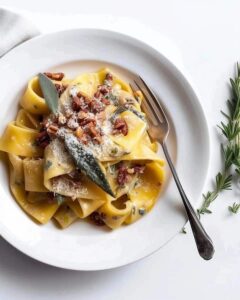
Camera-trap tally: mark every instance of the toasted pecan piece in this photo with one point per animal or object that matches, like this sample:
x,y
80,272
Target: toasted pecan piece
x,y
120,126
55,76
123,176
43,139
60,88
109,77
52,129
79,104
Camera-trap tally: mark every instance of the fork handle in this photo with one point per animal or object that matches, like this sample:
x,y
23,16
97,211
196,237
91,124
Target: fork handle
x,y
204,243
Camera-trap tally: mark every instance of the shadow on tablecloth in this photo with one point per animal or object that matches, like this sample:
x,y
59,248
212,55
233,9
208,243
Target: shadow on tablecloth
x,y
27,273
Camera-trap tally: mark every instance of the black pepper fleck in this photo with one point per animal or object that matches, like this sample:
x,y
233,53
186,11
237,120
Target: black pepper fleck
x,y
141,211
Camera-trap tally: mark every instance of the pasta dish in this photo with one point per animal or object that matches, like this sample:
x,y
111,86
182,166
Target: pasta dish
x,y
79,149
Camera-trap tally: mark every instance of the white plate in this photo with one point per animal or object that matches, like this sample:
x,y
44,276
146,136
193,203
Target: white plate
x,y
83,246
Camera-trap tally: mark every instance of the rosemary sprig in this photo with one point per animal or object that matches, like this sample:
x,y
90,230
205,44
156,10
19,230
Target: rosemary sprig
x,y
230,148
222,182
234,208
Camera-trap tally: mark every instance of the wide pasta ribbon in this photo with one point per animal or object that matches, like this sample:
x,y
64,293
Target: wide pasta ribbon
x,y
39,178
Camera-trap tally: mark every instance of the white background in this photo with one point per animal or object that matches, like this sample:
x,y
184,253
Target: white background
x,y
207,36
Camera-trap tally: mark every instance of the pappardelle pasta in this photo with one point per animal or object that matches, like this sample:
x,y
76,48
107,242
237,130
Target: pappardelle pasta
x,y
80,149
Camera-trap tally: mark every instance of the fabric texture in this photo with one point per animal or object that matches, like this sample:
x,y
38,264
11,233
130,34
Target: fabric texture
x,y
14,29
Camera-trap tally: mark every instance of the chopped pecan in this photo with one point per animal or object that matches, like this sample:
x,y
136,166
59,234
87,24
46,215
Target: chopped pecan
x,y
42,139
55,76
82,115
93,132
97,219
138,169
97,94
87,121
76,103
79,94
81,135
60,88
123,176
109,76
103,89
96,106
91,129
120,126
79,104
84,97
52,129
105,101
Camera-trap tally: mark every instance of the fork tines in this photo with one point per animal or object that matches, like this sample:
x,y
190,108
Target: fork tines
x,y
151,103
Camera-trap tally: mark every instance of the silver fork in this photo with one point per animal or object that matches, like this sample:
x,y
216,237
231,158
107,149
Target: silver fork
x,y
158,131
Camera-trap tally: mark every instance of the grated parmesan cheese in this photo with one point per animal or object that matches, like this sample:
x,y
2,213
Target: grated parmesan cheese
x,y
73,91
72,123
67,187
59,152
107,127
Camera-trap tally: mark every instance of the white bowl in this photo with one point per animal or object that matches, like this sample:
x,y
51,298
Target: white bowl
x,y
83,246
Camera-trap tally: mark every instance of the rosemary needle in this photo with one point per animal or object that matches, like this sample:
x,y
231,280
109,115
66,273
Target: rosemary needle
x,y
234,208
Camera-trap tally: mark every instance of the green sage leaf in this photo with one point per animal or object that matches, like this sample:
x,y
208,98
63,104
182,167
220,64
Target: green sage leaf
x,y
49,92
86,162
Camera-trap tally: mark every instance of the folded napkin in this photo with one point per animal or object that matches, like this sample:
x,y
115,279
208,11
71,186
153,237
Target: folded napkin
x,y
14,29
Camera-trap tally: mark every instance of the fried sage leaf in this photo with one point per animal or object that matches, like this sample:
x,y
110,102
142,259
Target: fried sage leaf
x,y
86,162
49,91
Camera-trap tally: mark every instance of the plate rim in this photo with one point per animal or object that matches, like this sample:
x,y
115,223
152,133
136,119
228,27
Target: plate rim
x,y
190,85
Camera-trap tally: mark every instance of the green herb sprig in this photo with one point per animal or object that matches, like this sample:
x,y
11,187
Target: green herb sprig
x,y
234,208
183,230
230,149
49,92
222,182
